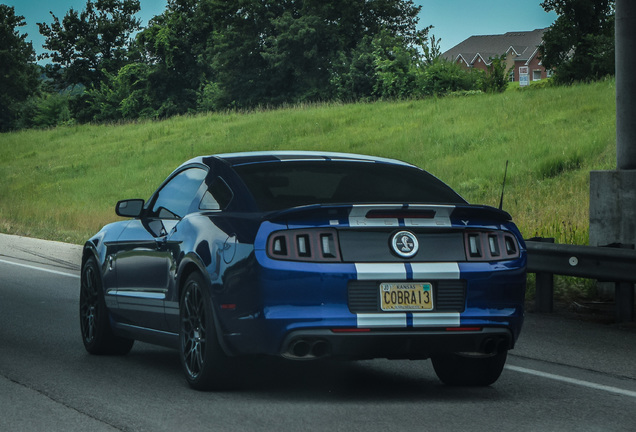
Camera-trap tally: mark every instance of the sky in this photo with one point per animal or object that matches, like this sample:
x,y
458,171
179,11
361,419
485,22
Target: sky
x,y
453,20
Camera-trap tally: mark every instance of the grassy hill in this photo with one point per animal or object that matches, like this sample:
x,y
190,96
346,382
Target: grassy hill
x,y
63,183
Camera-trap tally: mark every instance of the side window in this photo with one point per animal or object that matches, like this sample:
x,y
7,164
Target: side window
x,y
217,197
175,198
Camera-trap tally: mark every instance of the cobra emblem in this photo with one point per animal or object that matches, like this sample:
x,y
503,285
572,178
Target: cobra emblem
x,y
405,244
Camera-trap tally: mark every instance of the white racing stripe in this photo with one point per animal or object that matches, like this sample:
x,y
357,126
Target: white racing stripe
x,y
382,320
428,271
436,319
393,320
574,381
40,269
381,271
398,271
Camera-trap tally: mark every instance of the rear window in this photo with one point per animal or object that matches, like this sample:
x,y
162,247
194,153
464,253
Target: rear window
x,y
280,185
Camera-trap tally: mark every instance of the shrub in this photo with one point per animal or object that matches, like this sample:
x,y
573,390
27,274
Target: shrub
x,y
443,77
44,111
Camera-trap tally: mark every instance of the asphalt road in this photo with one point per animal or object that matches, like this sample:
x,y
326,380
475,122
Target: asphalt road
x,y
564,375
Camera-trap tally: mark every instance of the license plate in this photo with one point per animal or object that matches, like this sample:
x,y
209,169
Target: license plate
x,y
409,296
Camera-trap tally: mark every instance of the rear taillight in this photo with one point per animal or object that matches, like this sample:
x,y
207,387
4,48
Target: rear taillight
x,y
304,245
490,246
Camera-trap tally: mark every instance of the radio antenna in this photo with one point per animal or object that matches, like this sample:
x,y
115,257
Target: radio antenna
x,y
503,187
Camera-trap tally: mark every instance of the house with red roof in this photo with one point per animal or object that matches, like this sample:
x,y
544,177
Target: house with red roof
x,y
520,48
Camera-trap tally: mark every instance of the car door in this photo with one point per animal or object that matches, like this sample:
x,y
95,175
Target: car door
x,y
145,255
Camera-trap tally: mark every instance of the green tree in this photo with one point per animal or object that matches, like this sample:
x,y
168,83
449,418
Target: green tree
x,y
496,78
432,50
127,95
323,49
353,76
219,53
241,76
178,48
85,46
397,67
298,52
19,75
579,46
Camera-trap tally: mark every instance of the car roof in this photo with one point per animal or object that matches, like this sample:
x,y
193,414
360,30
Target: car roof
x,y
245,158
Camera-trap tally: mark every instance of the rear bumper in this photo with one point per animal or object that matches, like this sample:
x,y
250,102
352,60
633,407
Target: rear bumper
x,y
398,344
302,309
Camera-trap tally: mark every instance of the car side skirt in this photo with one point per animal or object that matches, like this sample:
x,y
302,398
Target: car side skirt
x,y
151,336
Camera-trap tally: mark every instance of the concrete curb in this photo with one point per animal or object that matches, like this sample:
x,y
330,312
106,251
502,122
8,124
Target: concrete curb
x,y
58,254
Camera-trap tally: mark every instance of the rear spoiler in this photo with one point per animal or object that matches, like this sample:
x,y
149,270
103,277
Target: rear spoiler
x,y
338,211
310,212
481,211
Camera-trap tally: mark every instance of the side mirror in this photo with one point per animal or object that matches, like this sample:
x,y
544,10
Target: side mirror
x,y
129,208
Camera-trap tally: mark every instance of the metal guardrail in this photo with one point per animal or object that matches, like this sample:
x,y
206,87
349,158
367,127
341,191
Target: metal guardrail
x,y
613,263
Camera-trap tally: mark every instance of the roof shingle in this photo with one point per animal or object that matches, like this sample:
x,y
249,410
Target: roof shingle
x,y
523,43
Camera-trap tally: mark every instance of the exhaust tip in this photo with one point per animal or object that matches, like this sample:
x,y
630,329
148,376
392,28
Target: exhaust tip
x,y
300,348
489,346
307,349
320,348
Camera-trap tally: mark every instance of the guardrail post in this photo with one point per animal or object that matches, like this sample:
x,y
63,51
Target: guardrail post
x,y
624,302
544,295
624,296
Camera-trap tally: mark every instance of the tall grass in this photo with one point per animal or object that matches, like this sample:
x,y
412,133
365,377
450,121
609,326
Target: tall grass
x,y
63,183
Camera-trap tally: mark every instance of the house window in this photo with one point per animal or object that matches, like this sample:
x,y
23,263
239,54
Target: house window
x,y
536,75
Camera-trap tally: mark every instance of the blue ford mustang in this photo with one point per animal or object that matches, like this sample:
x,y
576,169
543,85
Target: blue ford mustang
x,y
306,255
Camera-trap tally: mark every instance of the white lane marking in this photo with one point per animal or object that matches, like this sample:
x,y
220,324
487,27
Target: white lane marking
x,y
574,381
40,269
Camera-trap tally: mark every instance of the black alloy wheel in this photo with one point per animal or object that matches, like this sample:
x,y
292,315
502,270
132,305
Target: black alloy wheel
x,y
205,364
193,327
97,334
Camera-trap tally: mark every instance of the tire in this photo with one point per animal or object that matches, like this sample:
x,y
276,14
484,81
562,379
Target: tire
x,y
97,334
205,364
466,370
